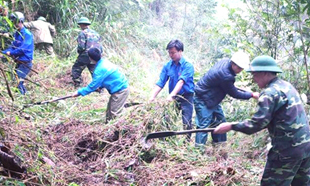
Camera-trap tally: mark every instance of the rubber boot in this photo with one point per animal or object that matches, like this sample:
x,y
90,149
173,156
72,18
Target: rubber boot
x,y
21,88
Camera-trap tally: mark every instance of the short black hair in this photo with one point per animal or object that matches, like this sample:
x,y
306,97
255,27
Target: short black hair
x,y
94,54
175,43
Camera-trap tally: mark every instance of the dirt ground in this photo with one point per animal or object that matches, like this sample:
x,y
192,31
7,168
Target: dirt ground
x,y
114,154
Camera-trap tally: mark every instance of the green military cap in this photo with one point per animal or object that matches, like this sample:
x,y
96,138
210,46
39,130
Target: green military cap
x,y
264,64
84,20
41,18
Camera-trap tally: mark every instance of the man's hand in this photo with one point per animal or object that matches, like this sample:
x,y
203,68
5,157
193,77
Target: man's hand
x,y
255,95
75,94
8,53
224,127
170,98
5,34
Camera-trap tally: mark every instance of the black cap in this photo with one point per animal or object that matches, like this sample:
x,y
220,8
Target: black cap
x,y
94,54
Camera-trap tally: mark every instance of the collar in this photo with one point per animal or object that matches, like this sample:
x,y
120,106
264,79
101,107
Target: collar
x,y
22,29
272,81
181,62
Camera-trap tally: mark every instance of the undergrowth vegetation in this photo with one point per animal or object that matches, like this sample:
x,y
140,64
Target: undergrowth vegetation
x,y
67,142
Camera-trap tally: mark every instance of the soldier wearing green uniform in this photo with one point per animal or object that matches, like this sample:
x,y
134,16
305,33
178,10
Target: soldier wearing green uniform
x,y
87,39
281,111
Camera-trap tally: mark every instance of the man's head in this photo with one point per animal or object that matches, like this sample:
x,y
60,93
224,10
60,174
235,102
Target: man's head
x,y
263,69
239,61
175,49
94,54
18,19
83,22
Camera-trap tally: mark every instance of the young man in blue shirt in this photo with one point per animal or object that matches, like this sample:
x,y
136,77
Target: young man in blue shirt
x,y
106,75
21,49
180,74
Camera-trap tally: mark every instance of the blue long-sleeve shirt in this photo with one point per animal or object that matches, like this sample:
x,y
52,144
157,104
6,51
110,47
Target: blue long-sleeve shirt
x,y
106,75
172,72
22,46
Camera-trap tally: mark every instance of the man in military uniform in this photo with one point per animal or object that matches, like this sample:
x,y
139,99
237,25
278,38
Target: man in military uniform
x,y
87,39
281,111
43,33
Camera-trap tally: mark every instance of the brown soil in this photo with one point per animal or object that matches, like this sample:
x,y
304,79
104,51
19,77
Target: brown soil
x,y
114,154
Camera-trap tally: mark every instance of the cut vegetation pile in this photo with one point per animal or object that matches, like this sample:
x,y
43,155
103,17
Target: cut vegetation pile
x,y
114,154
68,143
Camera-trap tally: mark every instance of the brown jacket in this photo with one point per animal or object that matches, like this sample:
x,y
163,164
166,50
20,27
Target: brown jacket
x,y
43,31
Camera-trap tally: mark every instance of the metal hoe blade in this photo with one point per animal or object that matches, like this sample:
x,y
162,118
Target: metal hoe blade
x,y
173,133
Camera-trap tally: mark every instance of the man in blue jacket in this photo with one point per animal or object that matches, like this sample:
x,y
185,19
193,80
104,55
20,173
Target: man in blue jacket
x,y
21,49
180,74
212,88
106,75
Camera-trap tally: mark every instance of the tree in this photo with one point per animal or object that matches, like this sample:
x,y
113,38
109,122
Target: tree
x,y
277,28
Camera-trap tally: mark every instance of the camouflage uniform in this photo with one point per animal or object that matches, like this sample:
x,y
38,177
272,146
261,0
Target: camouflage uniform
x,y
87,39
282,112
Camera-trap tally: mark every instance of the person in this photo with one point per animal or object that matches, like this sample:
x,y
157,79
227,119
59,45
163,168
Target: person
x,y
180,74
106,75
281,111
43,33
87,38
21,49
212,88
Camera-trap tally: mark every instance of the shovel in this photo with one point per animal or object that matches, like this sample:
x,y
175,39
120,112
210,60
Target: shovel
x,y
173,133
49,101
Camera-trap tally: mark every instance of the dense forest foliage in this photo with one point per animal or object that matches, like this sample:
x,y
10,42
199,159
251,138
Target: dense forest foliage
x,y
66,143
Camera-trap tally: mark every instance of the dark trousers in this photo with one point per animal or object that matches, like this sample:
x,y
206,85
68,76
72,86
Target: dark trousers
x,y
184,104
80,64
22,69
208,117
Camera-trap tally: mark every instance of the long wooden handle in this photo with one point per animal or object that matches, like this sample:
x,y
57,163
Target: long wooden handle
x,y
57,99
173,133
195,131
49,101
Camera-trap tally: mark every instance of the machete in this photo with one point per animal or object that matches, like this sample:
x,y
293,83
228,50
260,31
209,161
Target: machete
x,y
173,133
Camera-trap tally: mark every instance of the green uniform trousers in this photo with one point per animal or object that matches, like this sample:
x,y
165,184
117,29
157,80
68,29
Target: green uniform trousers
x,y
287,173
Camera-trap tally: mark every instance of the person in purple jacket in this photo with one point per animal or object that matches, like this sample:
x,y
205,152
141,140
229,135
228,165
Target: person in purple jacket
x,y
106,75
212,88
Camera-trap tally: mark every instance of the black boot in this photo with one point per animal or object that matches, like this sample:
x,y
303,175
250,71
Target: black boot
x,y
21,88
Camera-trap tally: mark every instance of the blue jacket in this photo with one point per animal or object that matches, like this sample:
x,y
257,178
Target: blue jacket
x,y
217,82
172,72
22,46
106,75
